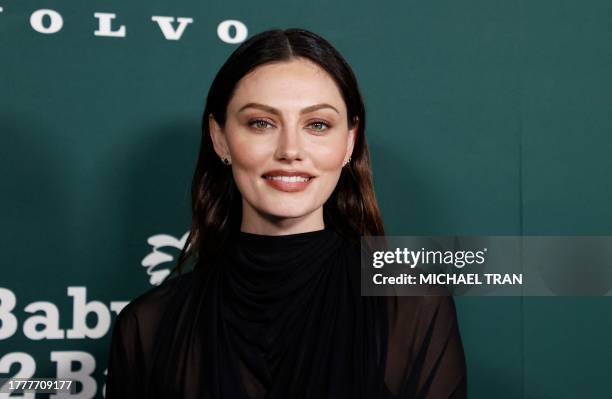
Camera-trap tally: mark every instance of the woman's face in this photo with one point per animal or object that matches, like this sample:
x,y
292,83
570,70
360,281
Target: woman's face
x,y
287,137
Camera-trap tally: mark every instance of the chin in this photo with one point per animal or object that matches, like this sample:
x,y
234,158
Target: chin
x,y
288,211
288,214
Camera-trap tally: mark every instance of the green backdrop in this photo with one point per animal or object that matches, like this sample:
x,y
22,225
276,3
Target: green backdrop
x,y
485,117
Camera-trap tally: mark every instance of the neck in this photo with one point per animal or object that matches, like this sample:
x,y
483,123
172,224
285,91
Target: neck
x,y
258,223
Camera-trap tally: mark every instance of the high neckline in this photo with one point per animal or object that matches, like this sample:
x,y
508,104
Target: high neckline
x,y
244,236
272,251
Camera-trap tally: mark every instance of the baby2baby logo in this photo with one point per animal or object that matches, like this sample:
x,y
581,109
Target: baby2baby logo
x,y
43,324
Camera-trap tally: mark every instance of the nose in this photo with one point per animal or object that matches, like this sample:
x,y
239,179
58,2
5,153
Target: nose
x,y
289,144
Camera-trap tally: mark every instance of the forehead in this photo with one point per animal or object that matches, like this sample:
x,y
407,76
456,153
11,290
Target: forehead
x,y
288,85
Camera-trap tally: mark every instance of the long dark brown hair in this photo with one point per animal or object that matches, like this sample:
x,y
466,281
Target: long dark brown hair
x,y
216,203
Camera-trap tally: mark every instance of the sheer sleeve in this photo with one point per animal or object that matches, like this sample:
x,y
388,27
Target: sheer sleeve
x,y
132,347
125,360
425,359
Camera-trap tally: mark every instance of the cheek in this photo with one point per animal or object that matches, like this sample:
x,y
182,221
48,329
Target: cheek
x,y
248,156
328,160
248,152
329,156
244,167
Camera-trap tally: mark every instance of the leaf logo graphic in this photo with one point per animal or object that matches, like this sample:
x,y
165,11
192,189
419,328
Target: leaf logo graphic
x,y
160,260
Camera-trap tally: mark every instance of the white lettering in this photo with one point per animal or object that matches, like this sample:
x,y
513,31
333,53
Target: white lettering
x,y
56,21
105,21
64,361
80,310
8,321
50,321
165,24
223,31
26,370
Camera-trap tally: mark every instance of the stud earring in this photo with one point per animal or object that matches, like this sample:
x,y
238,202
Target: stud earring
x,y
348,162
226,161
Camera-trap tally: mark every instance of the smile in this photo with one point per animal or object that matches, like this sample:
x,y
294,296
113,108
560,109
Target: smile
x,y
289,178
288,183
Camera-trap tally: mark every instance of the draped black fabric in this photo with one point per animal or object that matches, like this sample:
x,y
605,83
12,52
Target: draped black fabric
x,y
282,317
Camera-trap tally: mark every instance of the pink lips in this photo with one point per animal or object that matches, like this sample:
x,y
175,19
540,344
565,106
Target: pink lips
x,y
288,181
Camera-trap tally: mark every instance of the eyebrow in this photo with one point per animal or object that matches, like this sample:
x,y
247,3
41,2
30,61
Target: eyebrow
x,y
273,110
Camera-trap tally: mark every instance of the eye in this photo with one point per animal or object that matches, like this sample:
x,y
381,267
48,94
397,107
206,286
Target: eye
x,y
320,126
259,124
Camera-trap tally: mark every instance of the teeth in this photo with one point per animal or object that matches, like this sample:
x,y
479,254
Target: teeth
x,y
289,179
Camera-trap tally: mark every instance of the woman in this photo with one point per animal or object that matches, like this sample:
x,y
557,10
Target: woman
x,y
272,308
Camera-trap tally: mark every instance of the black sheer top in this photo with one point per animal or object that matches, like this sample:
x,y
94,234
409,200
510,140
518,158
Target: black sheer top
x,y
283,317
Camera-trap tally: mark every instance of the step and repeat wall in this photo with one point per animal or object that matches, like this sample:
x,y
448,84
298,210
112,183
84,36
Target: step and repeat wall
x,y
485,117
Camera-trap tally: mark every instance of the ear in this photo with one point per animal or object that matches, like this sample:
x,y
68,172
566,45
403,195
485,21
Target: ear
x,y
218,137
352,135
